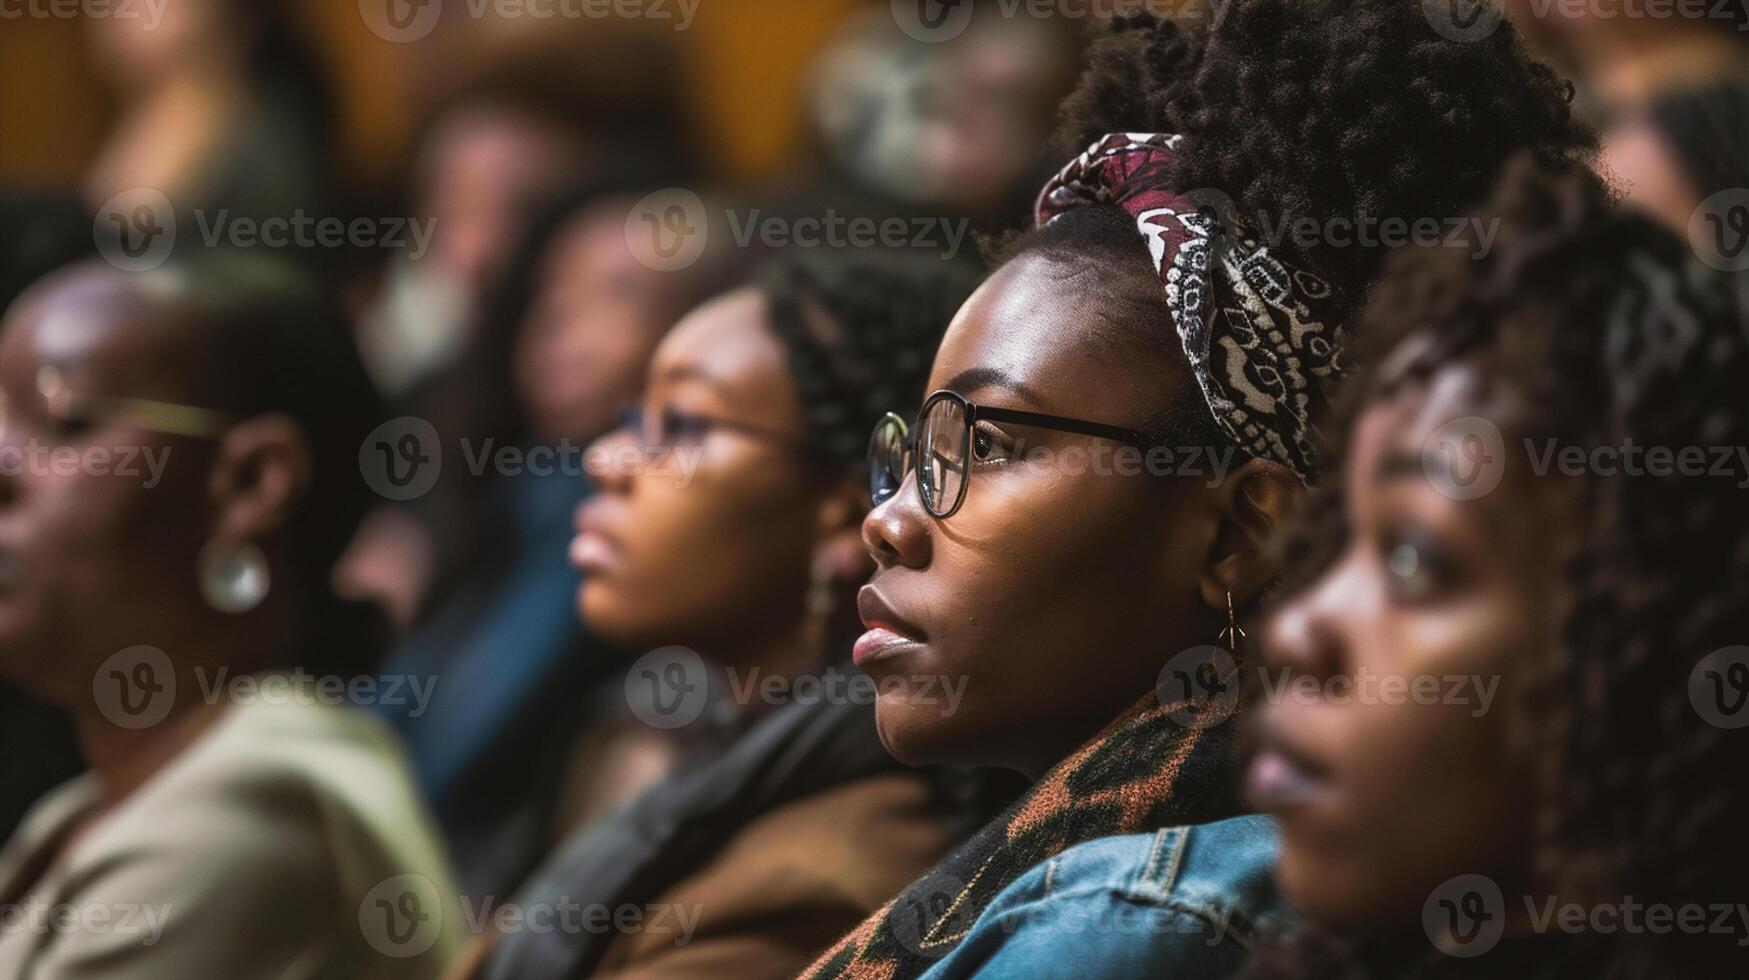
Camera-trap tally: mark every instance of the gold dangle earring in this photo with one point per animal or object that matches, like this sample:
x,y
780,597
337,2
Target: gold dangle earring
x,y
1233,633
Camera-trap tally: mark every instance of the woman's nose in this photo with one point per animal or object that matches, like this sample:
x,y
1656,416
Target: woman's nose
x,y
897,532
1305,635
610,457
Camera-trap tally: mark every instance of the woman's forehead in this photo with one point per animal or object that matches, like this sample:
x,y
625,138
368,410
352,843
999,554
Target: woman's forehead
x,y
99,324
728,345
726,339
1042,326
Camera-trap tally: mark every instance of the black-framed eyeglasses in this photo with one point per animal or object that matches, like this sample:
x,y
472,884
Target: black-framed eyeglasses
x,y
943,437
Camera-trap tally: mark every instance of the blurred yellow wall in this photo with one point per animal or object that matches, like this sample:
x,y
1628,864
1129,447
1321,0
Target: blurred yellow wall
x,y
745,60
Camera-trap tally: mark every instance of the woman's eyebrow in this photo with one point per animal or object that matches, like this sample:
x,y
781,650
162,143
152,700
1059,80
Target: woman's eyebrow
x,y
972,379
692,372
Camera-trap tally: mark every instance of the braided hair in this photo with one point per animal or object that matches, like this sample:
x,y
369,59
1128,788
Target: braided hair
x,y
861,332
1608,332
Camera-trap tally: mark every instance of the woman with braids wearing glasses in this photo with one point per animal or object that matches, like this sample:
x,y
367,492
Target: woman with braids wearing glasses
x,y
1078,523
726,521
182,453
1591,823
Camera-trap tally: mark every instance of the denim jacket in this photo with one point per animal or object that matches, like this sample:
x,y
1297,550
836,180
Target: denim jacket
x,y
1185,902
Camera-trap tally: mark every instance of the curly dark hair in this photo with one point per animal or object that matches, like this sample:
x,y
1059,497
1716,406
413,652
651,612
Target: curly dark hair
x,y
1603,330
1323,109
1296,110
861,332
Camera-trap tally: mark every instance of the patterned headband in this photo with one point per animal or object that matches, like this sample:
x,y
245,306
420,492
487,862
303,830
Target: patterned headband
x,y
1263,338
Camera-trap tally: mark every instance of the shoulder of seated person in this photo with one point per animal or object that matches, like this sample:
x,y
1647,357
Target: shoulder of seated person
x,y
861,841
278,778
1220,872
286,746
223,832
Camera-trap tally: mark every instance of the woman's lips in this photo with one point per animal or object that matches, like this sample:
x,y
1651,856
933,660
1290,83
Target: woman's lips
x,y
889,634
591,551
593,548
880,643
1281,779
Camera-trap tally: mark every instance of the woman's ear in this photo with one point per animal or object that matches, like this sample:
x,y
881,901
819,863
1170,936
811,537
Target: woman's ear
x,y
262,469
1254,501
838,547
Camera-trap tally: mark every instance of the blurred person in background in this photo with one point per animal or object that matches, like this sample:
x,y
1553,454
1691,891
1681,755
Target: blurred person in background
x,y
530,124
568,337
1441,841
179,609
1094,612
962,125
43,232
223,107
775,821
1624,55
1680,150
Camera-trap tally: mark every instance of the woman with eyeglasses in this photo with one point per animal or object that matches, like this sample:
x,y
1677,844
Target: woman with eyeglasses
x,y
179,472
723,539
1078,524
571,329
1531,501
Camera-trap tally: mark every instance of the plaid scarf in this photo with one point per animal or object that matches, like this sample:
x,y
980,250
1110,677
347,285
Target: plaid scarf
x,y
1157,765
